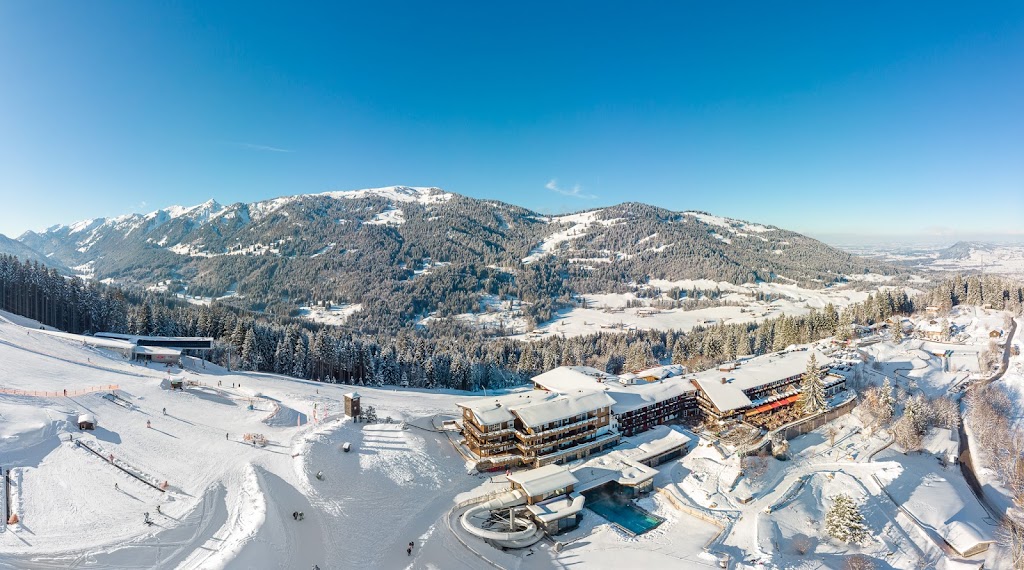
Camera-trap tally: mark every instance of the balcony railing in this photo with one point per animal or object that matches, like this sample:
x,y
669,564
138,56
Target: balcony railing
x,y
559,429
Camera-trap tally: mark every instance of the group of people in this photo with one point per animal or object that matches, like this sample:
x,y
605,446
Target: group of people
x,y
297,515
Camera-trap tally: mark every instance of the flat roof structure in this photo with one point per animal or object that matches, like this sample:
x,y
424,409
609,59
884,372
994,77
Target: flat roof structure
x,y
753,373
626,397
543,480
625,465
180,342
155,351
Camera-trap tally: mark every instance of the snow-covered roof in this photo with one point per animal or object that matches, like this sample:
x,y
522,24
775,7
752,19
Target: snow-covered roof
x,y
543,480
557,508
87,418
569,379
155,350
562,406
753,373
496,410
965,535
352,395
135,338
672,440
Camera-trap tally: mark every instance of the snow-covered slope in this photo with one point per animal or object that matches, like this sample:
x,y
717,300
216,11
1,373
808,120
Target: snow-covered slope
x,y
228,503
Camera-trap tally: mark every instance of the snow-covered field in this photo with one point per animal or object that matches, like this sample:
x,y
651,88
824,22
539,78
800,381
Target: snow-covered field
x,y
609,312
331,315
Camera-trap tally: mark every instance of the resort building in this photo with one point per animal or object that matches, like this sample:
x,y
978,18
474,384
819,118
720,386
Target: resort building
x,y
537,428
575,411
760,385
642,400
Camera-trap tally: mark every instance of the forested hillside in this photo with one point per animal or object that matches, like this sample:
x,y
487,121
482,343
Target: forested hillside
x,y
402,253
450,356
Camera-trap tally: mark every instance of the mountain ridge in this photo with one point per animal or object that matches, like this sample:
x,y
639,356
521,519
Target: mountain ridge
x,y
416,250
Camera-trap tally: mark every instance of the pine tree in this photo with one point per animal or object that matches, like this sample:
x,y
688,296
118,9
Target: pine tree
x,y
250,354
812,390
844,521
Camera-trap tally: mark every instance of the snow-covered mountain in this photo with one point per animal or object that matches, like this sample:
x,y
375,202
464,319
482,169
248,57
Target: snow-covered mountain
x,y
427,247
9,246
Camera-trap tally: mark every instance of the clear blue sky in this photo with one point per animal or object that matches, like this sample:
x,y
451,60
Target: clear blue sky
x,y
877,118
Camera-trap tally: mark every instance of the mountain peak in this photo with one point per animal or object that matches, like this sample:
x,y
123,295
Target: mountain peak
x,y
421,194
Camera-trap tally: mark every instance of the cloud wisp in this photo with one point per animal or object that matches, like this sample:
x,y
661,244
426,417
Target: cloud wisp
x,y
576,191
260,147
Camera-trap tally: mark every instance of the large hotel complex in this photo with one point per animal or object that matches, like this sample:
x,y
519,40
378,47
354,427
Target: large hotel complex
x,y
575,411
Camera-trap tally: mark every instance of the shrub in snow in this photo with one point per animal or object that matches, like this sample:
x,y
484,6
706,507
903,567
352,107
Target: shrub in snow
x,y
754,466
780,447
859,562
945,413
844,522
906,433
801,544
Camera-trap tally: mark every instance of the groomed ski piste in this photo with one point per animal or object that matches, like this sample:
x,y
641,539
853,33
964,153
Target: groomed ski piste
x,y
227,503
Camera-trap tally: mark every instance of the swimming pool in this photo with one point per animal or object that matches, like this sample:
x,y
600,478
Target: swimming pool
x,y
621,511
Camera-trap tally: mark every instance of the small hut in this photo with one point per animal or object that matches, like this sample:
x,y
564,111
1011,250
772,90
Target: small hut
x,y
352,405
177,383
86,421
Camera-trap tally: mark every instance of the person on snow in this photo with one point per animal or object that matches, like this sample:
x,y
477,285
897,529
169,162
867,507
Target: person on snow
x,y
116,488
301,516
408,551
320,475
148,424
295,515
158,510
145,518
165,411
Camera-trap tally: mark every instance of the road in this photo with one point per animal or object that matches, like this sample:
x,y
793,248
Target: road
x,y
966,463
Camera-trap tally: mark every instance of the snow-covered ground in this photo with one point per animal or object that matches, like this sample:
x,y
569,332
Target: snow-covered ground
x,y
609,312
332,315
230,504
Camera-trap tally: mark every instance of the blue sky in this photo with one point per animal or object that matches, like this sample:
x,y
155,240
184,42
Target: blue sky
x,y
867,118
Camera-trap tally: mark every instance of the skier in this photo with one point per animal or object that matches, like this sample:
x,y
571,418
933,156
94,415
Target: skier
x,y
148,424
116,488
295,515
226,436
158,510
145,517
408,551
320,475
301,516
165,411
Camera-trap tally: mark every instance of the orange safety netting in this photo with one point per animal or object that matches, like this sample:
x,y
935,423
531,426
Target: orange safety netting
x,y
45,394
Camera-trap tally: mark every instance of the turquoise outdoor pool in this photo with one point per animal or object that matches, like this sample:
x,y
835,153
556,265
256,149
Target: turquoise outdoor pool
x,y
620,511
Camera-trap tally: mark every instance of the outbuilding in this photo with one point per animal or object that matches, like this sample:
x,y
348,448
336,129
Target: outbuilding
x,y
86,421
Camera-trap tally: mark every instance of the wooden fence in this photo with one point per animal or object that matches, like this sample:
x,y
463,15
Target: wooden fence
x,y
59,393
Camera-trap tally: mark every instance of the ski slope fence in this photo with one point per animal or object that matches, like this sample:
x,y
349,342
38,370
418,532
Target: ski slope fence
x,y
59,393
80,443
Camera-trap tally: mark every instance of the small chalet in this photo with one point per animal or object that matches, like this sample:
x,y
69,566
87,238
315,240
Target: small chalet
x,y
86,421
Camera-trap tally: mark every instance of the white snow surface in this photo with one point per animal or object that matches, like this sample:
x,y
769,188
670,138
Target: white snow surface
x,y
229,503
